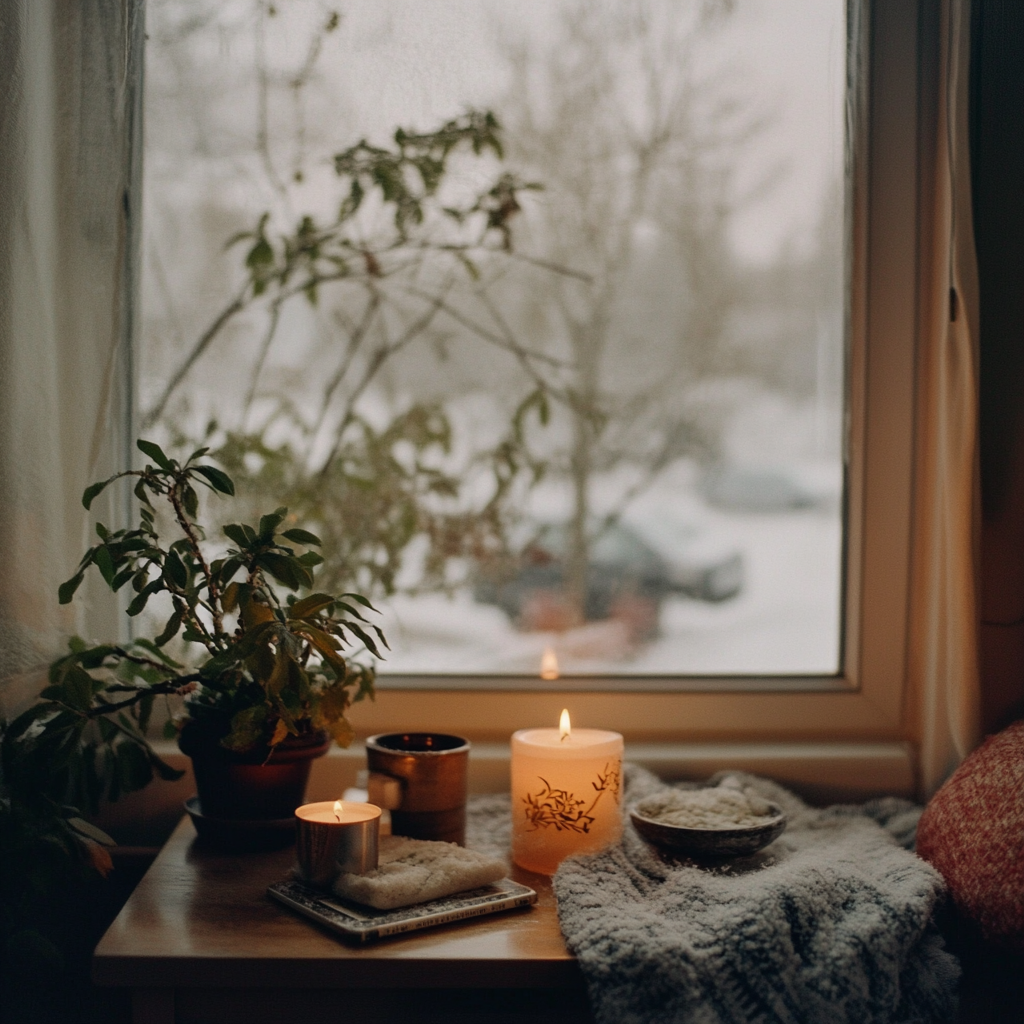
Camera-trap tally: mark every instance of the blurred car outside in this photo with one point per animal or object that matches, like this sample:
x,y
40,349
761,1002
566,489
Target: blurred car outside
x,y
770,489
633,568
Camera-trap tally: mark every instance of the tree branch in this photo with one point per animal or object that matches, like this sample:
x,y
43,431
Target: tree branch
x,y
232,309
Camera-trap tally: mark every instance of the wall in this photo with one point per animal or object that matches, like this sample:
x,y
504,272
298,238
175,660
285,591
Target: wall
x,y
998,185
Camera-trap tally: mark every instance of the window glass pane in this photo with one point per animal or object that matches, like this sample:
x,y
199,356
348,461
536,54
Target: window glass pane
x,y
560,368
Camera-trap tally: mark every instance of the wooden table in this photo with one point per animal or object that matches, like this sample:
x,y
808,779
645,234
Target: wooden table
x,y
199,940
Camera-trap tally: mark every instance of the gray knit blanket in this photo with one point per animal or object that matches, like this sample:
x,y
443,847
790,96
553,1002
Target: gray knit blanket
x,y
832,923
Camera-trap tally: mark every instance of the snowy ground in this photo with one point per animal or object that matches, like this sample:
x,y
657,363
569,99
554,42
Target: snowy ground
x,y
786,619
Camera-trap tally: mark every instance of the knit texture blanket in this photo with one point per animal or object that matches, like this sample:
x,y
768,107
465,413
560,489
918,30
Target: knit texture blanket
x,y
832,923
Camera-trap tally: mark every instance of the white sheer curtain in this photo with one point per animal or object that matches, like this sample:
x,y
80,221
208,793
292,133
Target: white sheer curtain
x,y
69,93
943,666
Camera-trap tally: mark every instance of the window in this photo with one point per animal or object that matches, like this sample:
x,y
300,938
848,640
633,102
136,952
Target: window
x,y
831,664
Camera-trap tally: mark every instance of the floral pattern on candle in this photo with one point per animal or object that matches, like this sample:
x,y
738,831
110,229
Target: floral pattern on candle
x,y
559,808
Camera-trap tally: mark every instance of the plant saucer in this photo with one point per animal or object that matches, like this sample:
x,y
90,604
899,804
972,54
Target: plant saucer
x,y
241,835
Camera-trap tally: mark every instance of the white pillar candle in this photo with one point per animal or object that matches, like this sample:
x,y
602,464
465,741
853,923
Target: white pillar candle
x,y
565,793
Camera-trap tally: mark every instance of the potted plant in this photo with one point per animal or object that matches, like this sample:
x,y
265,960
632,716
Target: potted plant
x,y
269,689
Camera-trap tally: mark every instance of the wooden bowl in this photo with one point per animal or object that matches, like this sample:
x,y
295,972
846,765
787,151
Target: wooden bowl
x,y
711,843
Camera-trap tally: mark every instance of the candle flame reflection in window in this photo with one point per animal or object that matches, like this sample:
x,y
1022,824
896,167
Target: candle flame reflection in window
x,y
564,726
338,808
549,664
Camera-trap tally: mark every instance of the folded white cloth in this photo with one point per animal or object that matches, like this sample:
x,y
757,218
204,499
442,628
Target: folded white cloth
x,y
416,870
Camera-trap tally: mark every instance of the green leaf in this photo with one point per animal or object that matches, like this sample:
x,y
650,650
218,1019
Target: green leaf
x,y
220,663
227,570
325,645
170,631
93,657
310,605
122,578
359,599
310,559
152,648
155,452
235,532
97,835
225,660
144,595
197,454
28,718
190,500
365,637
282,568
77,688
259,256
274,683
217,479
105,564
269,523
145,707
174,569
92,490
344,606
66,591
302,537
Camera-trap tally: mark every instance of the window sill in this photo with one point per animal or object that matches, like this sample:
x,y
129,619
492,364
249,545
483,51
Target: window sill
x,y
619,684
820,772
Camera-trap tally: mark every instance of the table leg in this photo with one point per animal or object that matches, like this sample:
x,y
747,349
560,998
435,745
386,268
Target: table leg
x,y
153,1006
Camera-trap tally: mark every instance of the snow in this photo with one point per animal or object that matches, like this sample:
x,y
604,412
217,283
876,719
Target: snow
x,y
785,621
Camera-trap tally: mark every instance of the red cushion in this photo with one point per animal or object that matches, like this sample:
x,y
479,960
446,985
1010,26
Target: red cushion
x,y
972,831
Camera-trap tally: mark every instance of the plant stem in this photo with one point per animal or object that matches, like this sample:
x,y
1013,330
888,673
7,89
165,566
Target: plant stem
x,y
193,541
169,687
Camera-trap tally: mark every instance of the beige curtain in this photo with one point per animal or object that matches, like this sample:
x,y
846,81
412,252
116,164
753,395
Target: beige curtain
x,y
69,132
943,664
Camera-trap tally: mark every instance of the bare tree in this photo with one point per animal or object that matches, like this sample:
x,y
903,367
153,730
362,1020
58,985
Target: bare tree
x,y
634,136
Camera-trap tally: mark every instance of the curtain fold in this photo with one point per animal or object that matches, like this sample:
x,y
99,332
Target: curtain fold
x,y
69,101
943,663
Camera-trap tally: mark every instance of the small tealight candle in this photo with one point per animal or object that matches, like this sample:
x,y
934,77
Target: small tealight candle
x,y
336,836
565,793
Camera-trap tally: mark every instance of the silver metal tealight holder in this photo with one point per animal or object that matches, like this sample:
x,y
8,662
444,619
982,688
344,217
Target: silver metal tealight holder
x,y
334,837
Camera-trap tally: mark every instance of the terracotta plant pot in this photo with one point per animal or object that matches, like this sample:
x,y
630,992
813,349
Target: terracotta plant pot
x,y
261,784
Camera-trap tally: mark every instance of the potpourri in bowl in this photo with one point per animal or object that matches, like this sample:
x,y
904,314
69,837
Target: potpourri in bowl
x,y
727,820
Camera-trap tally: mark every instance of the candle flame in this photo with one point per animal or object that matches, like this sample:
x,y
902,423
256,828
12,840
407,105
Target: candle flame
x,y
549,664
564,727
338,808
